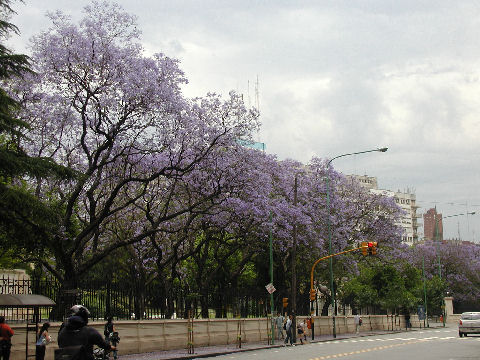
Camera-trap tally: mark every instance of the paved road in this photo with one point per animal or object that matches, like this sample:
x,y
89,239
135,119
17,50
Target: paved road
x,y
434,344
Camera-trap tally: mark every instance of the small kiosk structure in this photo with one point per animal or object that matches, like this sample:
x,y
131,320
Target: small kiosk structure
x,y
27,307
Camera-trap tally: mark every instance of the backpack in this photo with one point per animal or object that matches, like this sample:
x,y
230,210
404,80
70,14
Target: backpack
x,y
114,338
77,352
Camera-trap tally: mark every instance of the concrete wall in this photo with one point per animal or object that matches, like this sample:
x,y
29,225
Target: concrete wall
x,y
156,335
453,319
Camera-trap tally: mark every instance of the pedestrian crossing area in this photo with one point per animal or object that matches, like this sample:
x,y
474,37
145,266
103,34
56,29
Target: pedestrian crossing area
x,y
371,344
419,336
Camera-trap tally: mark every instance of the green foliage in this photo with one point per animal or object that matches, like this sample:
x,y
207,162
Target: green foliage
x,y
25,219
435,289
386,286
9,260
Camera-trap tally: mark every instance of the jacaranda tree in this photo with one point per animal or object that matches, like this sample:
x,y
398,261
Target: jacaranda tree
x,y
164,188
99,106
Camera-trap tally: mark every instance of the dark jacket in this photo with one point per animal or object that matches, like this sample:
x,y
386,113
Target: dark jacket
x,y
75,332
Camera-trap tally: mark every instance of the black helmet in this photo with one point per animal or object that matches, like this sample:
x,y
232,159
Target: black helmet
x,y
80,310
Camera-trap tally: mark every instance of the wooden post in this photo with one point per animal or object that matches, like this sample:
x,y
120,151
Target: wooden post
x,y
239,334
190,343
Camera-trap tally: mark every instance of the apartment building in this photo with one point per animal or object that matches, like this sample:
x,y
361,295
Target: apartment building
x,y
433,225
405,199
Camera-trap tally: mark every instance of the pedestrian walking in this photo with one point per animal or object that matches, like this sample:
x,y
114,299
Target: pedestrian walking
x,y
111,336
300,332
6,334
309,326
358,321
288,328
279,326
408,324
305,328
43,338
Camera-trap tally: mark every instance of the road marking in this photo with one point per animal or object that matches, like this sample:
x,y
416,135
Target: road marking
x,y
373,349
429,338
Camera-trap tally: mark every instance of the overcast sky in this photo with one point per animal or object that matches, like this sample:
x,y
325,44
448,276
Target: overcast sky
x,y
335,77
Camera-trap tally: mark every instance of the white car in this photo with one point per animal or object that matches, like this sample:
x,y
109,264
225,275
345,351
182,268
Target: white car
x,y
469,323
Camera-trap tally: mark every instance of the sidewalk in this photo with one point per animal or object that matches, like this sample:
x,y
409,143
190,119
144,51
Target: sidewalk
x,y
208,351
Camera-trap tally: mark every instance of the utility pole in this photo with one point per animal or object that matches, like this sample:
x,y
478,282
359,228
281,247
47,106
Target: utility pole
x,y
424,291
293,328
271,278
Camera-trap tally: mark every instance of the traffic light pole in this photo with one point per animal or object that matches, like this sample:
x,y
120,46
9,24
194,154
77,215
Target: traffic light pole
x,y
312,289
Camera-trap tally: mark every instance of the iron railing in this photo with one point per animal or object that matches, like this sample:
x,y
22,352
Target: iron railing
x,y
123,301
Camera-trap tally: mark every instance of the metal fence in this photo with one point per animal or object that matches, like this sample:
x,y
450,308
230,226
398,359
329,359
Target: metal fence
x,y
123,301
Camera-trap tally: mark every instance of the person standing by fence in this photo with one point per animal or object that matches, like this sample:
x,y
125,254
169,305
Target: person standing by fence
x,y
358,321
111,336
42,341
288,328
309,326
279,326
6,334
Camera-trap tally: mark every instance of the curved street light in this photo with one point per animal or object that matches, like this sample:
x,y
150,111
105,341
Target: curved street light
x,y
332,292
437,242
437,237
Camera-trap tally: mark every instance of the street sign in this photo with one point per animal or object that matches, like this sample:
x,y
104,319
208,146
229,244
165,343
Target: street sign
x,y
270,288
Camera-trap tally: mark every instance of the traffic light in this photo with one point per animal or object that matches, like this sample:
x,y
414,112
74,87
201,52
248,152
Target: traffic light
x,y
313,294
372,248
285,302
364,248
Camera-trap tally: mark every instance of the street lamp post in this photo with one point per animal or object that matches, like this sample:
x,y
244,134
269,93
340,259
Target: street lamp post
x,y
437,242
332,290
437,238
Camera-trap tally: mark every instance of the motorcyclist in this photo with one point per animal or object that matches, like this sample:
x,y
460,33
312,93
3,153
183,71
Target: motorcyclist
x,y
74,332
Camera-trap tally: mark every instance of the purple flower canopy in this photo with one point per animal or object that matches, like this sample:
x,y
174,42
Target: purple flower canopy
x,y
157,170
459,266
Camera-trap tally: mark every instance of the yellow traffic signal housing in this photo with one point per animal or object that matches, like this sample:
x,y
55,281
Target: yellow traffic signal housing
x,y
285,302
313,294
364,248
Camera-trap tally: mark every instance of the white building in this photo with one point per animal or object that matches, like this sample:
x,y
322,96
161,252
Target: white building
x,y
406,200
